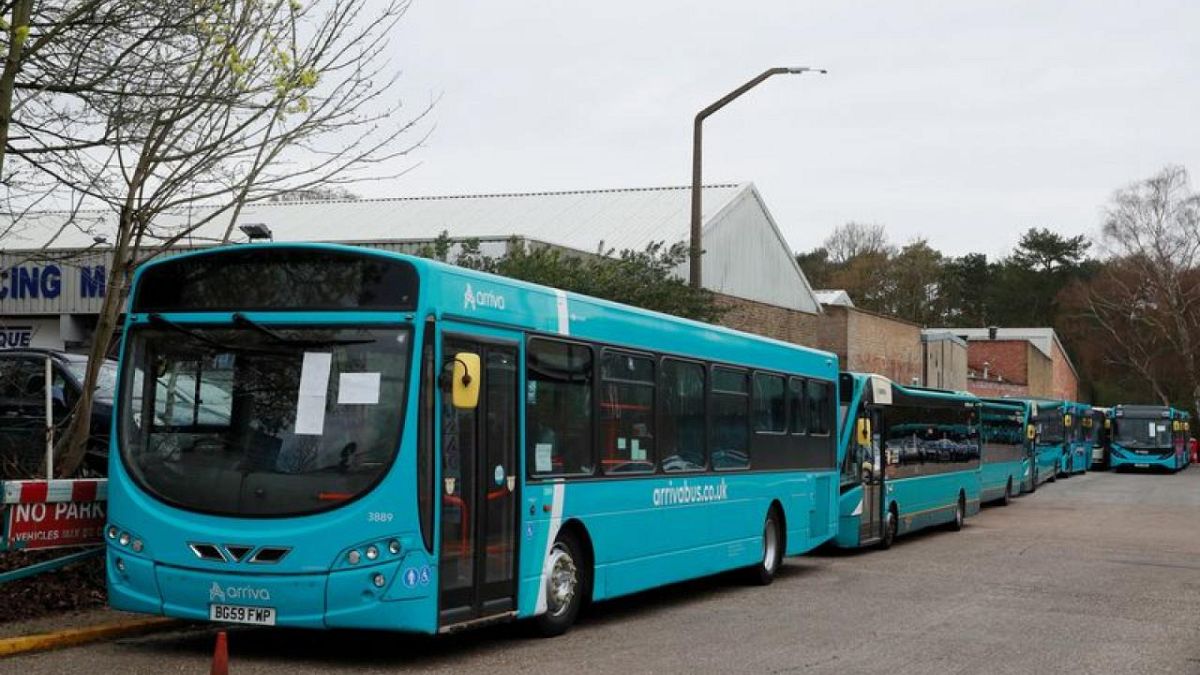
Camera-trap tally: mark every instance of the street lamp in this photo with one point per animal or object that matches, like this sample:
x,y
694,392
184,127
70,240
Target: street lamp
x,y
697,250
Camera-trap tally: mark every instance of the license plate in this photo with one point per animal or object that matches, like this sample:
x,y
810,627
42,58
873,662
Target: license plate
x,y
257,616
1141,466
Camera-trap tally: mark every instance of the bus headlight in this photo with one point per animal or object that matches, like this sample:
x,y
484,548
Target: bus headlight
x,y
372,552
353,557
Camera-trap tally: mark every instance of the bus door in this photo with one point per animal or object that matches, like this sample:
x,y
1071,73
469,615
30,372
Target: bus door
x,y
478,556
872,468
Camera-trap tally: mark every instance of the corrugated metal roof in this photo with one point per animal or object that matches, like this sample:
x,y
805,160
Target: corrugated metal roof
x,y
833,296
745,254
582,220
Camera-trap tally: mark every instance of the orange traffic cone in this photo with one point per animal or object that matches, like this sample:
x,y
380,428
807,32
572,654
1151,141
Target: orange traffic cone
x,y
220,662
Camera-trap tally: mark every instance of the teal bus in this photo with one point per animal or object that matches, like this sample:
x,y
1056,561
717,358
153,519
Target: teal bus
x,y
323,436
1005,468
1077,420
1050,438
910,459
1149,437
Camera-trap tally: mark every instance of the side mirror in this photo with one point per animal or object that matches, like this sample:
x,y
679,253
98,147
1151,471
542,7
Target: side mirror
x,y
862,431
868,471
465,381
1067,420
1030,432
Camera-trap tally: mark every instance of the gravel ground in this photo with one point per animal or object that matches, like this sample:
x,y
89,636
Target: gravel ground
x,y
1096,574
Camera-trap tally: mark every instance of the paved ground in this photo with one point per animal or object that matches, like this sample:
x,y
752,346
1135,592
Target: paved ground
x,y
1099,573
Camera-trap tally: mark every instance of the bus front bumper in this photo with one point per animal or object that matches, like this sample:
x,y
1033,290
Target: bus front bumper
x,y
388,596
1121,457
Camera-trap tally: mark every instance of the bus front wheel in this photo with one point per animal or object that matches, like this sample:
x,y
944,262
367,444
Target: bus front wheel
x,y
763,573
565,580
1004,501
960,514
891,526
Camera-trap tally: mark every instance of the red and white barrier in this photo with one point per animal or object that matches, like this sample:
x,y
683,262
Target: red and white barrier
x,y
40,491
41,514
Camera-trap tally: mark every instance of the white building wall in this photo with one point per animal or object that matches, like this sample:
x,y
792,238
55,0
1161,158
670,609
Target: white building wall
x,y
745,256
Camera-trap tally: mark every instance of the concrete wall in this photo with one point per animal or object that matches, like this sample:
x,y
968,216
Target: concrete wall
x,y
945,364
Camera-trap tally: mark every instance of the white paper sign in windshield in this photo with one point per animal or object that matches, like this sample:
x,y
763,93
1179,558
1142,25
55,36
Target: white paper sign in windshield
x,y
358,389
314,385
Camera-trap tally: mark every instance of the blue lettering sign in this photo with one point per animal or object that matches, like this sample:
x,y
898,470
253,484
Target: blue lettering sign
x,y
91,281
19,283
15,336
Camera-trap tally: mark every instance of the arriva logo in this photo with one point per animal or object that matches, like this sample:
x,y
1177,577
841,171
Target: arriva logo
x,y
473,299
237,593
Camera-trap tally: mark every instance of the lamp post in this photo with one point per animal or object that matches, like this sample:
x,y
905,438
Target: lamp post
x,y
697,250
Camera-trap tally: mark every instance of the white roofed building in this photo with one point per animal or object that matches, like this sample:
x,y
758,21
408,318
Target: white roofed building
x,y
746,257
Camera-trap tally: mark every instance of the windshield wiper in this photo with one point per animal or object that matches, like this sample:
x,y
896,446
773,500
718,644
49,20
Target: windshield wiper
x,y
240,319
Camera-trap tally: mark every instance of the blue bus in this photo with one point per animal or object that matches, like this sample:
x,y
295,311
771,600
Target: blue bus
x,y
1050,438
910,459
1147,436
324,436
1099,432
1078,440
1006,467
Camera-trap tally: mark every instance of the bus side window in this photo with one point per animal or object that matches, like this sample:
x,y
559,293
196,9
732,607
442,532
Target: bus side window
x,y
797,423
820,406
558,408
681,433
729,434
626,413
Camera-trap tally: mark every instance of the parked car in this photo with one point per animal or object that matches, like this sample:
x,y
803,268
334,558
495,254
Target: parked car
x,y
23,408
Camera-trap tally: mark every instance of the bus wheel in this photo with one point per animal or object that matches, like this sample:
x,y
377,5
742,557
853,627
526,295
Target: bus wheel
x,y
960,514
1007,493
764,572
564,583
891,527
1033,485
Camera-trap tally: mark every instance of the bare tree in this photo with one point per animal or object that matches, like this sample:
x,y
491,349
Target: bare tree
x,y
239,102
853,240
1149,298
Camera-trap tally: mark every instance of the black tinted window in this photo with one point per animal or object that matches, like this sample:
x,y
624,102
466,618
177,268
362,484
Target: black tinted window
x,y
681,435
770,409
277,278
627,413
558,408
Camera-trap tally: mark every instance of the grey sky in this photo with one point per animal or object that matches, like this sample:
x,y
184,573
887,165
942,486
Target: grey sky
x,y
962,122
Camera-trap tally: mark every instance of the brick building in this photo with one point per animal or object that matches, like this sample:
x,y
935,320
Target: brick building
x,y
1018,362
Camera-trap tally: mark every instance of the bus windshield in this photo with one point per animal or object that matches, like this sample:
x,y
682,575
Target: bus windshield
x,y
1146,432
242,421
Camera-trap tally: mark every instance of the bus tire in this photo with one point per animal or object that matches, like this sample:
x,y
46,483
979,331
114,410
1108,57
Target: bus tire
x,y
1004,501
960,513
763,572
565,582
1033,485
891,527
